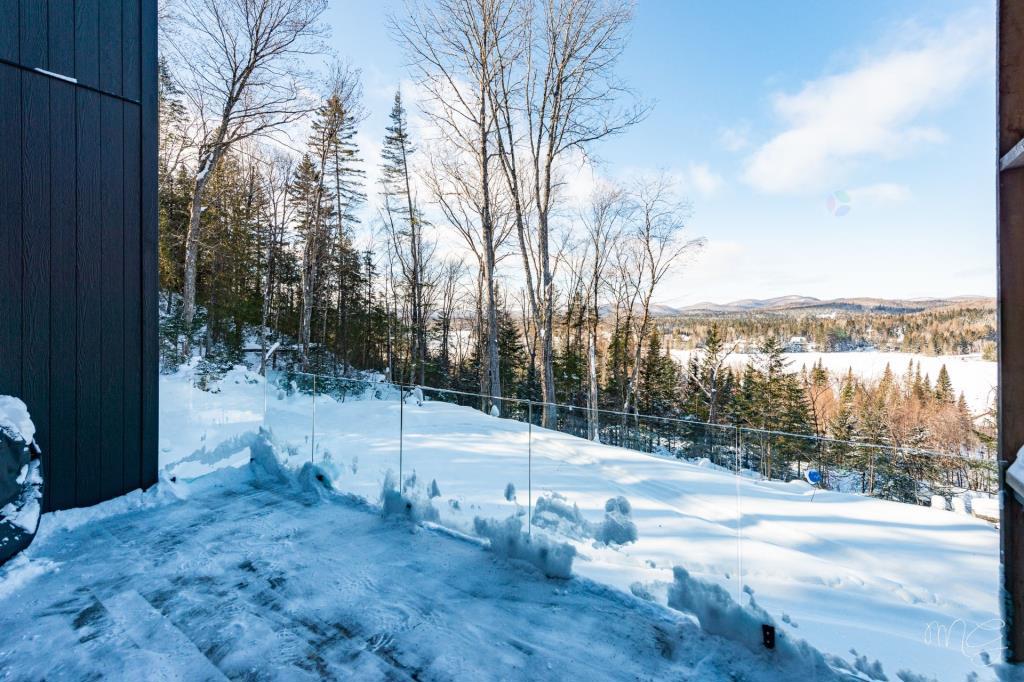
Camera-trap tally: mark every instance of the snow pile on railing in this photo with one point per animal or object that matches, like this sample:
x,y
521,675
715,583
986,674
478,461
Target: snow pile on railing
x,y
14,418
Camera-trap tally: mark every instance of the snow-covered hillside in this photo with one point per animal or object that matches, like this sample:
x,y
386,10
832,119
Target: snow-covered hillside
x,y
969,373
910,586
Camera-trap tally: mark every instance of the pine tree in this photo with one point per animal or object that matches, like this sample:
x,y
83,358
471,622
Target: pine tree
x,y
405,224
708,380
314,208
944,387
332,144
512,352
659,380
843,425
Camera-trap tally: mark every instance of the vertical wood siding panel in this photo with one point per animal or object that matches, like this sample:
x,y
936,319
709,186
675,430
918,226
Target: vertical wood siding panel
x,y
62,37
133,302
78,319
35,302
10,231
87,42
9,23
112,288
149,246
110,46
34,51
62,450
90,302
130,48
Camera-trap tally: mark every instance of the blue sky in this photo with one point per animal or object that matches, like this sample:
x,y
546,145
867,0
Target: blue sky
x,y
764,110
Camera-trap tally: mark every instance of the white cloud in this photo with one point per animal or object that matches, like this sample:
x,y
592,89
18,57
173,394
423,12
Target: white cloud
x,y
880,192
736,138
870,110
701,178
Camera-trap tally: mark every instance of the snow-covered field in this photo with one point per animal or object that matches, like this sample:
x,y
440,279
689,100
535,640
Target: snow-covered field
x,y
969,373
913,587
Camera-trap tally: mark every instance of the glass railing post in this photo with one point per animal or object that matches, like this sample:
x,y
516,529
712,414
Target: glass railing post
x,y
739,520
529,468
266,393
312,436
401,435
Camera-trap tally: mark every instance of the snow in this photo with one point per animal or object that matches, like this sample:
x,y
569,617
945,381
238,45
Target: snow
x,y
24,512
618,527
969,373
264,572
507,539
1015,475
853,572
14,417
719,614
411,507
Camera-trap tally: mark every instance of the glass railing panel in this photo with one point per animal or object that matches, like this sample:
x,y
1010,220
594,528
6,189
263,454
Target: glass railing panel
x,y
357,434
851,547
289,414
205,421
814,536
635,499
468,454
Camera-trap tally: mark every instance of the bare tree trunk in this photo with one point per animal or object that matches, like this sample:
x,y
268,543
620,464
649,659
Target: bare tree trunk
x,y
480,333
594,427
308,276
192,243
638,354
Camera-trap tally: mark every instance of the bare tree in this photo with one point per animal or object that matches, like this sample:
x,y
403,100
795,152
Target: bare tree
x,y
237,63
557,95
603,223
658,245
273,228
405,224
452,271
707,369
453,46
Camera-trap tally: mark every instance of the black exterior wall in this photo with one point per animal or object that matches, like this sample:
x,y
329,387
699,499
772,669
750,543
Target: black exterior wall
x,y
78,238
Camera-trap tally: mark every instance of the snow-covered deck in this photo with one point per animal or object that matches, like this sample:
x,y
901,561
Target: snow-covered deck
x,y
256,580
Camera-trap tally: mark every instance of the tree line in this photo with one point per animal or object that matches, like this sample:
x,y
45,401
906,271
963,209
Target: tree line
x,y
903,410
278,251
284,247
949,330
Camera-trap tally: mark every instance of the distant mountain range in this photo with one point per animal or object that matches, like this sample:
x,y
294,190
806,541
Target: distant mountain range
x,y
810,305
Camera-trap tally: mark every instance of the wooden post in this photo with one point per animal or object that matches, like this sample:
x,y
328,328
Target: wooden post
x,y
1010,219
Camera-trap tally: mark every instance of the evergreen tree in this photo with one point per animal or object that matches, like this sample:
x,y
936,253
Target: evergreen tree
x,y
659,380
944,387
405,224
314,209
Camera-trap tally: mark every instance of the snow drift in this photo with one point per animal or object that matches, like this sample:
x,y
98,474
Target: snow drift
x,y
508,540
719,614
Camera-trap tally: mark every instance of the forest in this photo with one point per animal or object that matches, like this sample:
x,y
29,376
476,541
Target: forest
x,y
466,265
950,329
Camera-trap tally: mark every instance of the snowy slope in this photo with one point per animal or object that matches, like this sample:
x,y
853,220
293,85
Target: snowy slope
x,y
910,586
257,573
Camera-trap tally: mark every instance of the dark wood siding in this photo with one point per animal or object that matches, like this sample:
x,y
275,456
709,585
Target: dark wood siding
x,y
78,272
1010,214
